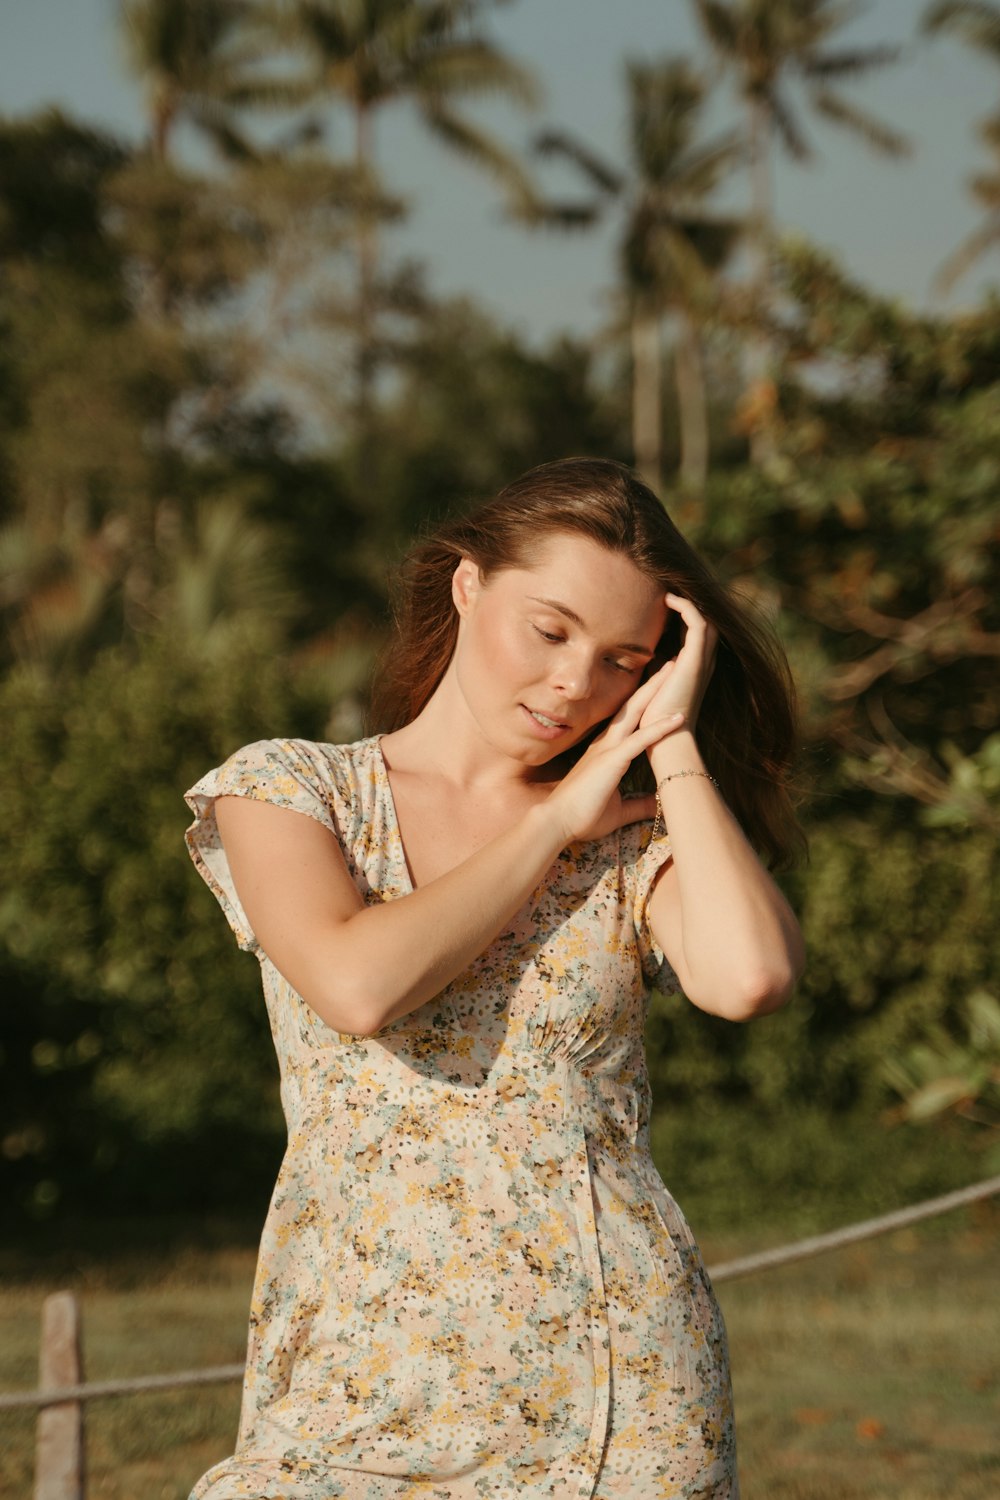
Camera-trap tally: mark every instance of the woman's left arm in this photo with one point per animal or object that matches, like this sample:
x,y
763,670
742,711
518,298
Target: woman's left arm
x,y
721,920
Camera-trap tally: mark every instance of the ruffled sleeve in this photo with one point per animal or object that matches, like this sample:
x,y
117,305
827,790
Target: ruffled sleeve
x,y
649,858
289,773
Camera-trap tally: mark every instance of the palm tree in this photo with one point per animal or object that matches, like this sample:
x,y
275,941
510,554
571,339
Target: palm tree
x,y
369,54
196,58
671,246
978,24
765,45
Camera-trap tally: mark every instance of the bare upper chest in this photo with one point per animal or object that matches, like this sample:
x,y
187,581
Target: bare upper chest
x,y
440,828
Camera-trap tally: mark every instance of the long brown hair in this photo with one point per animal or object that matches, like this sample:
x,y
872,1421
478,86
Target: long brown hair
x,y
747,722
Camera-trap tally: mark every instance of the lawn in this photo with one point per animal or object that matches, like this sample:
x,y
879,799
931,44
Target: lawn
x,y
868,1374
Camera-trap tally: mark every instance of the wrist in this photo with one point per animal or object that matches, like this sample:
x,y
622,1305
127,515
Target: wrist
x,y
549,834
678,752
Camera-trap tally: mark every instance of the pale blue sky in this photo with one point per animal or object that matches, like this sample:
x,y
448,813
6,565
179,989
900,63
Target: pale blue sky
x,y
891,223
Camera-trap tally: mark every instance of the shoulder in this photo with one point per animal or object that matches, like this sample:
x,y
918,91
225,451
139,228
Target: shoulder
x,y
325,780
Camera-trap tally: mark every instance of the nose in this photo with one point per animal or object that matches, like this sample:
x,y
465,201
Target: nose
x,y
573,676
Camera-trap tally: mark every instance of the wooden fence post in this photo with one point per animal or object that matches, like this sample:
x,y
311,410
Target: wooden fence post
x,y
59,1453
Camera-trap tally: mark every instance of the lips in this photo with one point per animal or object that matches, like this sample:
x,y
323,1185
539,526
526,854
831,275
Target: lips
x,y
550,721
543,724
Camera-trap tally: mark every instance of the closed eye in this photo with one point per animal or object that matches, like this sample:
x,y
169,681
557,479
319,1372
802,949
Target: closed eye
x,y
619,666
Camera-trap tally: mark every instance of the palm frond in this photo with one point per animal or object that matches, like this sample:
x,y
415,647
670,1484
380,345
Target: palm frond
x,y
720,25
551,213
231,144
665,106
558,143
973,248
971,21
789,130
989,131
985,187
477,68
850,63
878,135
270,93
309,25
714,239
699,173
478,146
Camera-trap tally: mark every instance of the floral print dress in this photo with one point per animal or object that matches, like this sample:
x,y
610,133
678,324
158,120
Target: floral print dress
x,y
472,1282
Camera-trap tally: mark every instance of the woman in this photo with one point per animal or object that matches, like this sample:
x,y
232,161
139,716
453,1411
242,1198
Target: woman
x,y
472,1280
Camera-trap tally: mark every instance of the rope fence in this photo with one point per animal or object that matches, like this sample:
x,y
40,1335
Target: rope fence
x,y
850,1234
747,1265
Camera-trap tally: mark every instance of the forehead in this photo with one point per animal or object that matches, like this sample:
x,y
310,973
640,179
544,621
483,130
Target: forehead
x,y
606,589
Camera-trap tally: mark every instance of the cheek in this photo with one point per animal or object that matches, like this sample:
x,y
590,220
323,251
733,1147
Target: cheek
x,y
615,694
507,653
493,661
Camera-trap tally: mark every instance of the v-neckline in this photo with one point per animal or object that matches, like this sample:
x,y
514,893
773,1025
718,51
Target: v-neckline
x,y
405,874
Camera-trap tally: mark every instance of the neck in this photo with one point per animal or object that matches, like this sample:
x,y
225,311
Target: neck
x,y
445,740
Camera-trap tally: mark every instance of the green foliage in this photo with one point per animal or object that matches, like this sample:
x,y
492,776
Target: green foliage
x,y
872,531
474,406
945,1071
898,927
189,563
124,987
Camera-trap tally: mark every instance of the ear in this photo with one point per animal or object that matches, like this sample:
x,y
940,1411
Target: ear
x,y
466,583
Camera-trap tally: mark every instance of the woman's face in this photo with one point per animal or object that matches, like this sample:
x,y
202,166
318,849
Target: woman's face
x,y
548,651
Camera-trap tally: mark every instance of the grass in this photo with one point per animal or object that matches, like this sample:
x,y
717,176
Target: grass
x,y
868,1374
872,1373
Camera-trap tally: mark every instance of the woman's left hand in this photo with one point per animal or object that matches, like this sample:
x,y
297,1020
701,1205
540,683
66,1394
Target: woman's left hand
x,y
681,683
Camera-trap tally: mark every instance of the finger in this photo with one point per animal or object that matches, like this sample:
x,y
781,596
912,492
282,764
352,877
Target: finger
x,y
635,706
684,607
650,734
701,638
632,742
697,626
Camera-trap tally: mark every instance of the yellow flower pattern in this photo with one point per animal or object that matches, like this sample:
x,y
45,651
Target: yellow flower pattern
x,y
473,1283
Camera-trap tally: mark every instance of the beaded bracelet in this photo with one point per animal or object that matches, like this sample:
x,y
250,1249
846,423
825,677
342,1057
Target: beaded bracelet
x,y
658,824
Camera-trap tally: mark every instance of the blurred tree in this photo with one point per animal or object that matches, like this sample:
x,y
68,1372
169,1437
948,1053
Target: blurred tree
x,y
671,249
898,926
80,386
123,429
875,533
978,24
474,406
197,60
373,53
125,987
765,44
871,539
945,1072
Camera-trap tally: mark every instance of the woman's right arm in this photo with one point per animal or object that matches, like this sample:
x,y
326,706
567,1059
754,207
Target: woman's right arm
x,y
360,967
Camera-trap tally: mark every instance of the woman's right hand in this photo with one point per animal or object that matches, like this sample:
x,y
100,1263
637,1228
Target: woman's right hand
x,y
587,800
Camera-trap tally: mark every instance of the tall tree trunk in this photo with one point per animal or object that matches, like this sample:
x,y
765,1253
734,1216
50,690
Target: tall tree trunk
x,y
692,403
759,396
761,205
647,408
161,134
163,102
367,252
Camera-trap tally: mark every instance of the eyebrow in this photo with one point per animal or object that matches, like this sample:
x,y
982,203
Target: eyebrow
x,y
571,614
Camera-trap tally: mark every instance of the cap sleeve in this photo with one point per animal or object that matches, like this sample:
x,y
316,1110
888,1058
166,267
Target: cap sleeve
x,y
287,773
649,859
